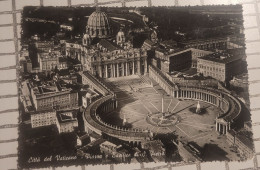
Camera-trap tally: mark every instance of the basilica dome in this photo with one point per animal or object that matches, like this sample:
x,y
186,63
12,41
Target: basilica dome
x,y
99,25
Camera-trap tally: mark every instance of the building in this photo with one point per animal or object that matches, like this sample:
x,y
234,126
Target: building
x,y
107,59
48,56
51,59
67,121
148,44
73,49
68,27
44,45
206,44
109,56
114,151
179,61
169,60
94,136
63,63
25,61
49,95
88,96
94,83
221,66
196,53
48,61
69,78
25,97
156,149
43,118
26,64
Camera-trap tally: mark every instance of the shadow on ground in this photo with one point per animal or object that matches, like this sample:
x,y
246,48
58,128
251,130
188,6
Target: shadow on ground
x,y
202,111
212,152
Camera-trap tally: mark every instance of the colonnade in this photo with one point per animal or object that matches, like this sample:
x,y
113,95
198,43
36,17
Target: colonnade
x,y
156,75
199,95
107,106
120,69
103,106
222,126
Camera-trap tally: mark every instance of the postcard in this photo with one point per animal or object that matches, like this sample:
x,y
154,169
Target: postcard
x,y
101,85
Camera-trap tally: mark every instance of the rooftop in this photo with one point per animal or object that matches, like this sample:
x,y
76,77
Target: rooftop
x,y
44,44
149,42
63,59
47,87
203,40
67,116
94,80
75,41
109,144
110,46
169,43
169,51
221,57
48,55
88,92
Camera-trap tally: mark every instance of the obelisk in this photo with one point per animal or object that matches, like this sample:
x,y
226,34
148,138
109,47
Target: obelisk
x,y
124,121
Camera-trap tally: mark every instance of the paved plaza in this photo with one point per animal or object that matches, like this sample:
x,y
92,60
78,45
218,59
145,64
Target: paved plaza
x,y
138,101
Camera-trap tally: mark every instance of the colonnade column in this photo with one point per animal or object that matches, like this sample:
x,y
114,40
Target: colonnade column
x,y
111,70
100,71
114,69
106,70
222,128
126,69
117,70
145,65
133,71
138,67
123,69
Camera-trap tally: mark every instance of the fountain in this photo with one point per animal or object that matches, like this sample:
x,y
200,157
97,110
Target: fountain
x,y
198,109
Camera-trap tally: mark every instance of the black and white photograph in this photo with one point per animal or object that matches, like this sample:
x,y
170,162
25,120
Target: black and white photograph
x,y
113,85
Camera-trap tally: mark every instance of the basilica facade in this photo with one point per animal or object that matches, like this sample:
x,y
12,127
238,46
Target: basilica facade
x,y
105,54
107,59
